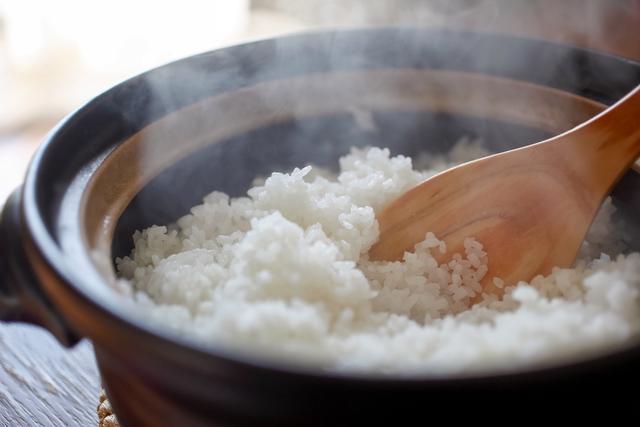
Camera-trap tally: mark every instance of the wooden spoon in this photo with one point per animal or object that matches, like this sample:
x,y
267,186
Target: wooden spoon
x,y
530,207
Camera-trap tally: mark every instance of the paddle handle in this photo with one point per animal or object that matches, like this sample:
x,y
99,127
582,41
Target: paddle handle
x,y
602,149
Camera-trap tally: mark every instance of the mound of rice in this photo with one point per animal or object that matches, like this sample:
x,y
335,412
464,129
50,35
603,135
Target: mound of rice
x,y
284,273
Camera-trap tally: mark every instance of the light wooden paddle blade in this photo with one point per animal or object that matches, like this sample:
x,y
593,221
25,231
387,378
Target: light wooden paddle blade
x,y
530,207
523,211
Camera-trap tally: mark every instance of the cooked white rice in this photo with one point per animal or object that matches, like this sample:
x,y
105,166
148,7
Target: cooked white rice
x,y
284,273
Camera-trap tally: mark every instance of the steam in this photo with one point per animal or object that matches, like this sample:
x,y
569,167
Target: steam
x,y
586,23
231,167
605,25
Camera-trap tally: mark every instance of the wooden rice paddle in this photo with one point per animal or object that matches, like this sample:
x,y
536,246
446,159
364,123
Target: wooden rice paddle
x,y
530,207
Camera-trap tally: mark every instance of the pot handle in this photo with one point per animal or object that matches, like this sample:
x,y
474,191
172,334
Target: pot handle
x,y
21,297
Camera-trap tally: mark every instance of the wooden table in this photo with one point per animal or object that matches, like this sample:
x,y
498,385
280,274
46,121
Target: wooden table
x,y
43,384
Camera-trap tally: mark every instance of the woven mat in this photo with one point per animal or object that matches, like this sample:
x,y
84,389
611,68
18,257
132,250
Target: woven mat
x,y
106,418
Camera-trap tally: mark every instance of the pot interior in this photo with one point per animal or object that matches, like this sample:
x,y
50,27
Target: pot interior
x,y
194,153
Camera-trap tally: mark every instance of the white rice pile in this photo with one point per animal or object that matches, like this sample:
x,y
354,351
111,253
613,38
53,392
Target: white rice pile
x,y
284,273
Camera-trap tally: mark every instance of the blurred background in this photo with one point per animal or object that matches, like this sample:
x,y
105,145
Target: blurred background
x,y
54,55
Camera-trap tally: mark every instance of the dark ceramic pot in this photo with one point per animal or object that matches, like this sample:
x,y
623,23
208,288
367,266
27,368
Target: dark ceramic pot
x,y
151,147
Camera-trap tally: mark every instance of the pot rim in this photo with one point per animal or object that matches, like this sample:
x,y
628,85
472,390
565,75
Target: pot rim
x,y
51,254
